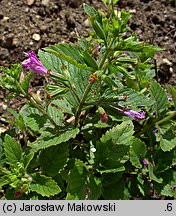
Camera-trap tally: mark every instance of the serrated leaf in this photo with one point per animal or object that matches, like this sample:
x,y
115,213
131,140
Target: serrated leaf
x,y
56,115
159,96
168,191
44,185
63,105
110,157
137,152
81,185
13,150
32,118
135,99
69,53
50,140
53,159
121,134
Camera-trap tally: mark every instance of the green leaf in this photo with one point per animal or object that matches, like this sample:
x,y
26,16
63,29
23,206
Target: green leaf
x,y
4,180
63,105
13,150
168,191
77,78
137,152
54,159
113,187
32,118
90,60
56,91
152,175
172,91
44,185
121,134
50,61
26,81
98,28
27,159
70,53
81,185
114,170
127,60
56,115
168,144
89,10
53,140
135,99
159,96
116,69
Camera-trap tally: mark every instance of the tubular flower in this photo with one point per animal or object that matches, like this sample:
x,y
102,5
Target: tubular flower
x,y
34,64
134,114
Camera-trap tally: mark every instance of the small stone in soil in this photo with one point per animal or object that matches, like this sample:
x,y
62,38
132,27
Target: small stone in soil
x,y
36,37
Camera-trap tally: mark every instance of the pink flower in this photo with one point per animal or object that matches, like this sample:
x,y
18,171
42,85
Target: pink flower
x,y
134,114
34,64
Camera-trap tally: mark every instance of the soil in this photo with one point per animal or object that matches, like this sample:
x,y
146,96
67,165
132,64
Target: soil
x,y
33,24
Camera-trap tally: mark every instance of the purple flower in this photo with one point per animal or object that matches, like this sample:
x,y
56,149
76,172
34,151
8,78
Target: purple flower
x,y
170,97
155,131
34,64
134,114
145,162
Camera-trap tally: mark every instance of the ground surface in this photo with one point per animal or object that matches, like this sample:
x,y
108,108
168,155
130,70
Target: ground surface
x,y
32,24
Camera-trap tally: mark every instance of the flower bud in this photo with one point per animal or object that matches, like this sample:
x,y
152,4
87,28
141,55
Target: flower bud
x,y
92,78
103,117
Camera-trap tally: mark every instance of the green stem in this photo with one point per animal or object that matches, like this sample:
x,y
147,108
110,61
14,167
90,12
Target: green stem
x,y
88,88
78,112
106,54
31,99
